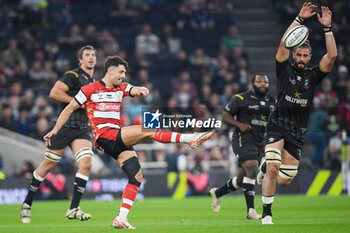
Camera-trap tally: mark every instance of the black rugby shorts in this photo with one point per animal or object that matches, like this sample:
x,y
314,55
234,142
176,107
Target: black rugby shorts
x,y
113,147
292,144
245,148
66,136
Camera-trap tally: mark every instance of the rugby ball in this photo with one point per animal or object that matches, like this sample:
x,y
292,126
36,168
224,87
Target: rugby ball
x,y
296,37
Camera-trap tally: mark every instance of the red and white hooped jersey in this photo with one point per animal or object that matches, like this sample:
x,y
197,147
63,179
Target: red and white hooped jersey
x,y
103,105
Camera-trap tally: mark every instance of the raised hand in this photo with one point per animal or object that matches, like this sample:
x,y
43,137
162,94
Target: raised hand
x,y
307,10
326,18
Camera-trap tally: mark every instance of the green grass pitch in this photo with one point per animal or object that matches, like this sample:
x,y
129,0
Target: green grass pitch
x,y
292,213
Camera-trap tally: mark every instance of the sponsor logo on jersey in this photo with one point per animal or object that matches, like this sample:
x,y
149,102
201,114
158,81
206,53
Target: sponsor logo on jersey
x,y
259,122
107,107
115,97
297,99
306,83
256,107
292,81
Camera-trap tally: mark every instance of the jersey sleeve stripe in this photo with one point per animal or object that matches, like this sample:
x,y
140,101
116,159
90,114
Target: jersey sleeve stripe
x,y
239,96
72,72
77,101
322,70
128,88
80,97
65,84
283,61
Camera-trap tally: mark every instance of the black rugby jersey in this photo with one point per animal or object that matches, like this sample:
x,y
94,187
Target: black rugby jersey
x,y
251,109
75,79
295,90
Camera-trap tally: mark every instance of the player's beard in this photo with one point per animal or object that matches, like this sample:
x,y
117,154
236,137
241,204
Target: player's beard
x,y
259,92
297,66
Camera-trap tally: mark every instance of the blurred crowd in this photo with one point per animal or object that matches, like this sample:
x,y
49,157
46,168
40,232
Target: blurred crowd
x,y
187,52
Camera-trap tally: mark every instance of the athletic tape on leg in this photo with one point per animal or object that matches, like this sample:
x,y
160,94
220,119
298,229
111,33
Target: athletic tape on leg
x,y
272,155
54,157
84,152
288,171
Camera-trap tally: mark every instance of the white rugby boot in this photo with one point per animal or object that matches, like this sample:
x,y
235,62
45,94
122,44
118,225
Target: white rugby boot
x,y
215,204
122,224
252,214
199,138
267,220
77,213
261,174
25,213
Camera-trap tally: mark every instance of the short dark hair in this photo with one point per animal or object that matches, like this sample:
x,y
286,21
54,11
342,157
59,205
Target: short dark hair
x,y
253,81
82,49
115,61
306,45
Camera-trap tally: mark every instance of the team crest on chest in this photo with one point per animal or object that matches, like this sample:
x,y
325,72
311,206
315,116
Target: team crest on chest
x,y
119,96
306,83
292,81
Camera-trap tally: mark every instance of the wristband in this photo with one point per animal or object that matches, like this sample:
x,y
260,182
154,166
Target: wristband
x,y
327,29
299,20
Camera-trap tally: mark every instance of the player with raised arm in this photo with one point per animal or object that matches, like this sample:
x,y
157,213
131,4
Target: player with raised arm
x,y
76,133
248,112
102,101
288,122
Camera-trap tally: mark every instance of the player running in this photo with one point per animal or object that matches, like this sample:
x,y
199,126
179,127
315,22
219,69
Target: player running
x,y
288,122
251,110
102,101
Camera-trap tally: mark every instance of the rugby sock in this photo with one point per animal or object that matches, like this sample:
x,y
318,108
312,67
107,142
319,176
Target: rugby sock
x,y
168,136
79,188
33,188
230,186
263,168
248,190
128,199
267,203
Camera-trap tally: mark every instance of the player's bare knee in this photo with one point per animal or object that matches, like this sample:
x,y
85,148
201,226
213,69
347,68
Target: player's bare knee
x,y
284,182
272,169
84,165
132,169
251,173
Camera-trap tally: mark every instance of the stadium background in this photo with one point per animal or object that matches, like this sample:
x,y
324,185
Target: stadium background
x,y
198,54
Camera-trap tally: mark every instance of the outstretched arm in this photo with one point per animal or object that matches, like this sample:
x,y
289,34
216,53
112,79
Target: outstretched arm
x,y
327,61
305,12
62,119
139,91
